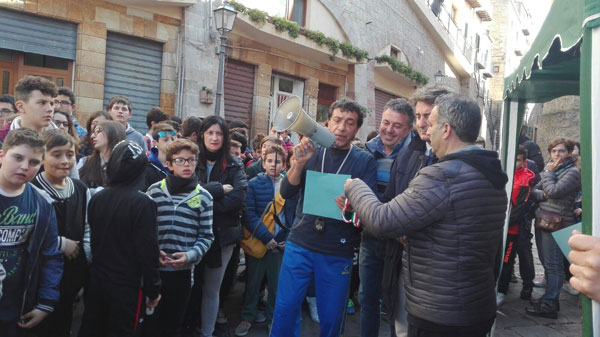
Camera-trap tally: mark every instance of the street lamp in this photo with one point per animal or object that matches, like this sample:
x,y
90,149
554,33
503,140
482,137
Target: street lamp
x,y
439,77
224,19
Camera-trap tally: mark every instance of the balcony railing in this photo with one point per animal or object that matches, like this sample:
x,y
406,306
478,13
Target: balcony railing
x,y
446,20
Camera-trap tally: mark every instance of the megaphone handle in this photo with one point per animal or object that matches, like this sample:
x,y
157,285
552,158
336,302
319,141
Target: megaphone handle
x,y
315,146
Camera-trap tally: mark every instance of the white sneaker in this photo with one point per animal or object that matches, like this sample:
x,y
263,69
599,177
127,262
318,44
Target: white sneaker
x,y
312,308
568,288
499,299
221,319
541,283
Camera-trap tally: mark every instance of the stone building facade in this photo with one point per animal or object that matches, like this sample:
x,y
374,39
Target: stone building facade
x,y
411,31
96,23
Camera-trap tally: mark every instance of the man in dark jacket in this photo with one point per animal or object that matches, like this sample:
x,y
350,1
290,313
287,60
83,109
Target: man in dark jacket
x,y
394,136
407,164
124,248
453,215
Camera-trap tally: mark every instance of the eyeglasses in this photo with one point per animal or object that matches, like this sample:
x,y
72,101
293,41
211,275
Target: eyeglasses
x,y
97,132
6,111
163,134
181,161
63,103
61,123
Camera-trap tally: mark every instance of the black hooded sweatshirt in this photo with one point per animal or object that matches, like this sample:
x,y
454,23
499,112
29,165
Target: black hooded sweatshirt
x,y
123,225
484,161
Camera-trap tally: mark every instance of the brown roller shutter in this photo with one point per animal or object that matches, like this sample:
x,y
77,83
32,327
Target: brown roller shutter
x,y
381,99
238,91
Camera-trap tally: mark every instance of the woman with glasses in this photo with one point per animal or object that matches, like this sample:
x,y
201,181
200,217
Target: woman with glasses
x,y
224,178
85,145
63,121
92,169
561,181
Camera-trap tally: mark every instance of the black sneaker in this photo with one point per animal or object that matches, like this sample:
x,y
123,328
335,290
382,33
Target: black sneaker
x,y
543,310
526,293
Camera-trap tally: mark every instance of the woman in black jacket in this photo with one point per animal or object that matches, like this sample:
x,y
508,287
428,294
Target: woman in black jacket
x,y
224,178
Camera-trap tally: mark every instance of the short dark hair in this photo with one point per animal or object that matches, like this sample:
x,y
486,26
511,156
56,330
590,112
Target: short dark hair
x,y
119,99
569,144
57,137
179,145
429,93
346,104
64,91
10,100
402,106
190,125
240,138
271,139
23,136
463,115
276,149
237,124
162,126
176,126
256,141
372,135
29,84
522,150
176,119
155,115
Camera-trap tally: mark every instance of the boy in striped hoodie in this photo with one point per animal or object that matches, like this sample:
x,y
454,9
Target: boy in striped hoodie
x,y
185,219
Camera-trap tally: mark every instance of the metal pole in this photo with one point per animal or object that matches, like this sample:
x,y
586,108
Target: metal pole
x,y
221,75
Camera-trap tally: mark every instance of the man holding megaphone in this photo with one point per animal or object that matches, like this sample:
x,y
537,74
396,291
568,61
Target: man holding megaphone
x,y
321,247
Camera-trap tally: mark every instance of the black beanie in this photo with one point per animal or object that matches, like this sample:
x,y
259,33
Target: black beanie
x,y
127,163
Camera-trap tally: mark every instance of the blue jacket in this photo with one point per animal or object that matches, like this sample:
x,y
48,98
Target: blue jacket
x,y
44,267
260,194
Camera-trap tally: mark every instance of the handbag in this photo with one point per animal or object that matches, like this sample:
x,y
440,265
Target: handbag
x,y
252,245
548,221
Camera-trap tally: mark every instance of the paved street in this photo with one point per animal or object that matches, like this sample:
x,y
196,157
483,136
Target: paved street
x,y
512,321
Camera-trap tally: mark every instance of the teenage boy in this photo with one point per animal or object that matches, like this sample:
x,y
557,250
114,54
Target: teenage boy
x,y
120,109
184,233
124,240
261,192
65,101
190,128
162,135
31,287
153,117
34,97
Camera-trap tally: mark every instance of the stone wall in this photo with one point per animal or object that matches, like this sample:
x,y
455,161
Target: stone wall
x,y
95,18
557,118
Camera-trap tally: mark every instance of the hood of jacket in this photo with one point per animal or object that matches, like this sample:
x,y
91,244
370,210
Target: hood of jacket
x,y
484,161
153,158
126,164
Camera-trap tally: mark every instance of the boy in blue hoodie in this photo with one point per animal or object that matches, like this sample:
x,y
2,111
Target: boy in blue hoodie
x,y
261,192
163,135
28,237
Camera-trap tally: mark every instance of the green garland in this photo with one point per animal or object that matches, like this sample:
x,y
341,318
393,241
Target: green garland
x,y
348,50
402,68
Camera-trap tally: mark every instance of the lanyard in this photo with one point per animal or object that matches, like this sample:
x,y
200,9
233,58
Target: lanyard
x,y
342,164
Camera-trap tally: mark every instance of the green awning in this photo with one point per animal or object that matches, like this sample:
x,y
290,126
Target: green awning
x,y
550,68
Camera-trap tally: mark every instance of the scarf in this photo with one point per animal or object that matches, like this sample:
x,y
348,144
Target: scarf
x,y
178,185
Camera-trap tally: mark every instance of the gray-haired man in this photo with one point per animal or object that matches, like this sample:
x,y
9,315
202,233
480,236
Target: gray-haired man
x,y
452,215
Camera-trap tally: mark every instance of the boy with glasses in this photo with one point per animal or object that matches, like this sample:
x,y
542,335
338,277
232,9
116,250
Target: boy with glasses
x,y
163,135
65,101
7,105
185,219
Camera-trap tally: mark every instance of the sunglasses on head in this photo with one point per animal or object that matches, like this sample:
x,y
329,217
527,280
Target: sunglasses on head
x,y
163,134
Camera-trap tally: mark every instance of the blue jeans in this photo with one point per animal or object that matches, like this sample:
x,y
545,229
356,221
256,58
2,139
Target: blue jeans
x,y
331,276
553,265
370,268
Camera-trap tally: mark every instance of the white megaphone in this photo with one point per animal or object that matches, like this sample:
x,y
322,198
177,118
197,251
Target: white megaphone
x,y
291,116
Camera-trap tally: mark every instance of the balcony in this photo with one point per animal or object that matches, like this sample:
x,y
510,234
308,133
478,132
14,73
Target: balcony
x,y
485,11
474,3
445,18
157,3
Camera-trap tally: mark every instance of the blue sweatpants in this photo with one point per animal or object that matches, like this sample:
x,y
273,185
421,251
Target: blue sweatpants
x,y
331,275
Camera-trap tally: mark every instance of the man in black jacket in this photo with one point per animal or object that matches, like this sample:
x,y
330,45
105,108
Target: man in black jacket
x,y
124,248
453,216
415,156
533,150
